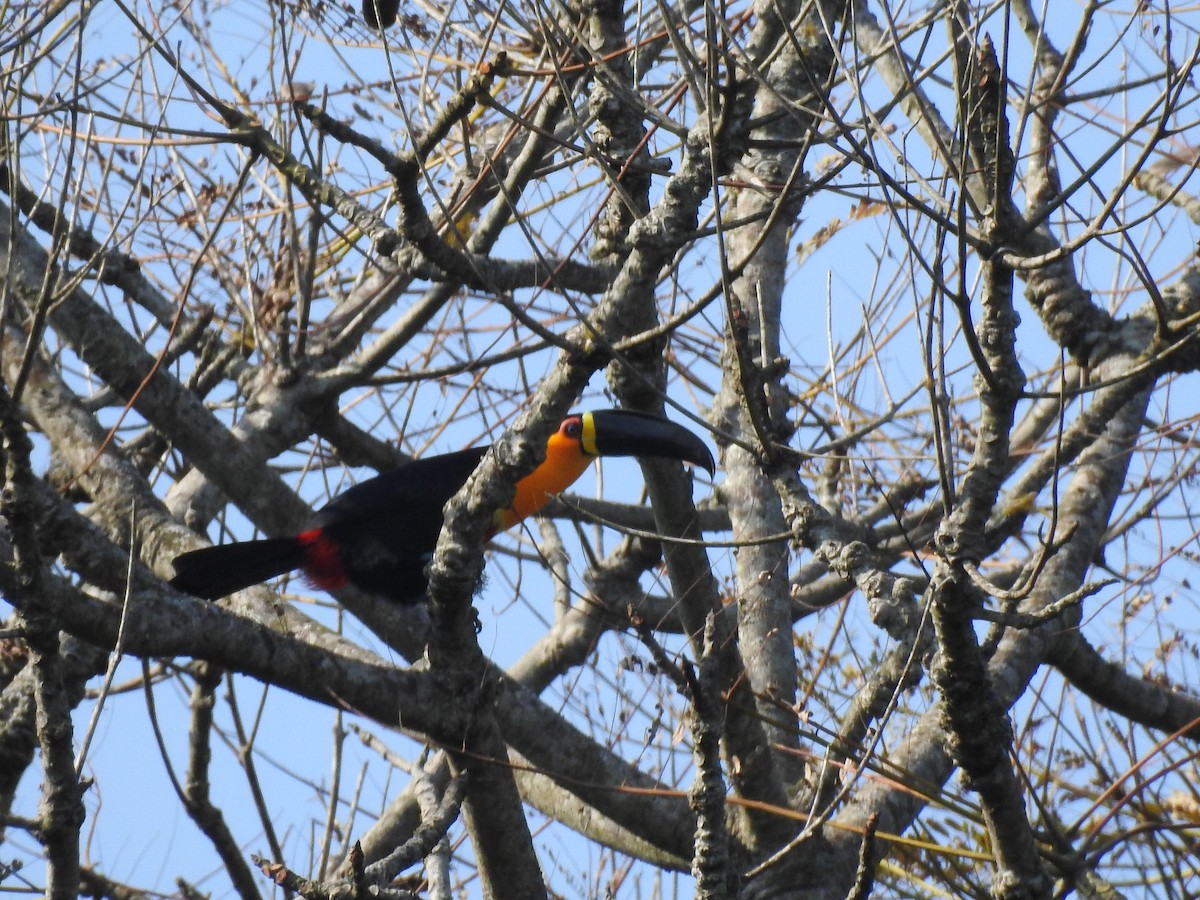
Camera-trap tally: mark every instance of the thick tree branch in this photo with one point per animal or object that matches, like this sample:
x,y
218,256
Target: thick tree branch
x,y
1156,706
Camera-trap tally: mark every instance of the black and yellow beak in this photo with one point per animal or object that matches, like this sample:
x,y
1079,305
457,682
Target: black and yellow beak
x,y
619,432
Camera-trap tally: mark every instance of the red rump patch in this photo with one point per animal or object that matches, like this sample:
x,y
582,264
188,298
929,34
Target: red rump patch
x,y
322,560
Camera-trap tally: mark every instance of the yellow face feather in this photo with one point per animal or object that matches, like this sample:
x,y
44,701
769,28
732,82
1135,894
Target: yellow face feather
x,y
569,452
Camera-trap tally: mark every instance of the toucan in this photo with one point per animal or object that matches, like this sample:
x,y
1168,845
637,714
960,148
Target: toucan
x,y
380,534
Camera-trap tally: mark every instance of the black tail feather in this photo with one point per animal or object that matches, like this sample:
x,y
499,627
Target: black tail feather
x,y
218,571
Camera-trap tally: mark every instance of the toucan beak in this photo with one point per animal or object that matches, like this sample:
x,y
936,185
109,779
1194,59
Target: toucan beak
x,y
619,432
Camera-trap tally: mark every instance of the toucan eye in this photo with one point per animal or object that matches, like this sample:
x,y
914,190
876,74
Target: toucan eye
x,y
573,429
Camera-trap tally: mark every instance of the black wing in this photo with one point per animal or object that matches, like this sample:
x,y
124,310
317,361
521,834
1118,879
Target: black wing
x,y
386,527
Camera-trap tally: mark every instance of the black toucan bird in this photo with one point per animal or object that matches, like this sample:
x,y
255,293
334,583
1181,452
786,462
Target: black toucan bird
x,y
380,534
